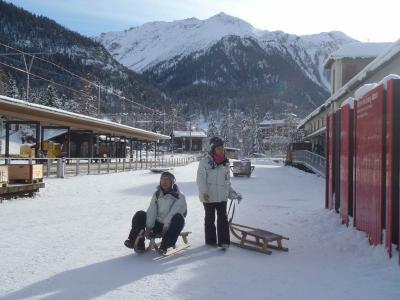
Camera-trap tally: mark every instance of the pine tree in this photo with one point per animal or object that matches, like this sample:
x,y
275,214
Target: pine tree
x,y
86,99
4,81
13,91
51,97
212,129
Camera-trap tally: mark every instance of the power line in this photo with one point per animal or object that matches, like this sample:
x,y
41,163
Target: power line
x,y
77,76
47,80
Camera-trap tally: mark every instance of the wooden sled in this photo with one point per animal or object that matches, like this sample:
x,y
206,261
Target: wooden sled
x,y
261,239
155,245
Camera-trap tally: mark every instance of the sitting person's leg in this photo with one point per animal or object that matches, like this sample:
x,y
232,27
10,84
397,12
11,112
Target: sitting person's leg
x,y
172,234
138,224
157,229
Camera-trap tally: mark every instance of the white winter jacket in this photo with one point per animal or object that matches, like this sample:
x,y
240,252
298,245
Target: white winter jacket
x,y
214,180
164,206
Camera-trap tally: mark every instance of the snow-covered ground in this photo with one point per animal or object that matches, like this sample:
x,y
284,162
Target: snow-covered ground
x,y
67,243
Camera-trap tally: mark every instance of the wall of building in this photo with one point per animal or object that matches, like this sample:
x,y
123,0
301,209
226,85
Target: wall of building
x,y
343,70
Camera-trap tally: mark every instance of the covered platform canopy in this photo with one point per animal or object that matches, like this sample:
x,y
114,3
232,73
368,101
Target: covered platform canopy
x,y
82,135
27,111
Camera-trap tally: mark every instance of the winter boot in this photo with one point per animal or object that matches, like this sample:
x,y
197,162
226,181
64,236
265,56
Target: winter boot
x,y
162,251
129,244
224,246
139,245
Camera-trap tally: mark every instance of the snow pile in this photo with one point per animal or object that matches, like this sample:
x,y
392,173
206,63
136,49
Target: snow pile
x,y
67,244
360,50
362,90
348,101
387,78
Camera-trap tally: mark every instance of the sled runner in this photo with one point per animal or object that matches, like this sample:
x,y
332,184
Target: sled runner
x,y
153,244
260,239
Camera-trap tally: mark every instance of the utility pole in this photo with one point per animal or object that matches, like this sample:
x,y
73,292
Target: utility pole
x,y
164,120
172,130
28,70
190,135
98,100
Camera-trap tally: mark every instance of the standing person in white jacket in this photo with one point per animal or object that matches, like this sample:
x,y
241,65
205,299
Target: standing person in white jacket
x,y
165,216
213,182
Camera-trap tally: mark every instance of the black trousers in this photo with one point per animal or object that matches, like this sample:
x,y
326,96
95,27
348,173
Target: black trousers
x,y
222,223
170,237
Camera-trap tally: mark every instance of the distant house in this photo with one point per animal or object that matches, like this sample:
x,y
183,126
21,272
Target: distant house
x,y
269,127
188,140
277,134
232,153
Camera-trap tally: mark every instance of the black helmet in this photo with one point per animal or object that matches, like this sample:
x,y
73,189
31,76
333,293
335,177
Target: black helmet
x,y
215,142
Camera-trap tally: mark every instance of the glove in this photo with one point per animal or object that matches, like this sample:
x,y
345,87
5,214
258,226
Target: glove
x,y
239,197
149,233
164,229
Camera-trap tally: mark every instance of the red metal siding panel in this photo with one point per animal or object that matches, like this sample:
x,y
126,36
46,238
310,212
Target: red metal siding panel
x,y
346,163
330,161
392,163
369,153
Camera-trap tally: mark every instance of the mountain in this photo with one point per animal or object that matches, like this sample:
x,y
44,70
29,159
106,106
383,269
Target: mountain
x,y
224,60
78,54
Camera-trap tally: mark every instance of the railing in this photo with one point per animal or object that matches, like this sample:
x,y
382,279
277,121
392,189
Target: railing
x,y
310,160
61,167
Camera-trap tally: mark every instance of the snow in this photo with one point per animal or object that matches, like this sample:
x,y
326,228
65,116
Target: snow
x,y
67,244
359,50
348,101
199,134
365,88
269,123
143,47
37,108
387,78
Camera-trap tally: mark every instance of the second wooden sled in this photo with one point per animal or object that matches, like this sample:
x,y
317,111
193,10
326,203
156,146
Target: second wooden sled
x,y
260,239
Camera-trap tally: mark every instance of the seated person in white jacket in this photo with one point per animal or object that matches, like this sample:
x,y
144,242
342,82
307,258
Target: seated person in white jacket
x,y
165,216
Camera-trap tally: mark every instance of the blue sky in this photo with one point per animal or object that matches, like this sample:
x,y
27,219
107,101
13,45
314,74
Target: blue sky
x,y
363,20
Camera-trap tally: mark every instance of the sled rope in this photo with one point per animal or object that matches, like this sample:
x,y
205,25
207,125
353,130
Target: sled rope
x,y
233,210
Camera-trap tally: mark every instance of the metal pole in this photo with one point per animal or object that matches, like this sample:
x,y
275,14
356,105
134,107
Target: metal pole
x,y
147,153
98,100
28,70
7,152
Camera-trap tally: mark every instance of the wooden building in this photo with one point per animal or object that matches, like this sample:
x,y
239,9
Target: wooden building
x,y
188,140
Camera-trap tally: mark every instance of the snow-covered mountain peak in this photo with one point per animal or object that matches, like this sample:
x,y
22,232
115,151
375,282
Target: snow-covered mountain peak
x,y
164,44
141,47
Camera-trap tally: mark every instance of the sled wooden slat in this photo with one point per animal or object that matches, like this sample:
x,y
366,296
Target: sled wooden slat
x,y
155,245
262,238
252,248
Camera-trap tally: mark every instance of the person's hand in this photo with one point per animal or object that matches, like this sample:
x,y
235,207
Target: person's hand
x,y
164,229
239,197
205,198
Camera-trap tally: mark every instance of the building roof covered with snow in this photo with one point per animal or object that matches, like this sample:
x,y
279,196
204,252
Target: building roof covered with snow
x,y
193,134
271,123
23,110
357,50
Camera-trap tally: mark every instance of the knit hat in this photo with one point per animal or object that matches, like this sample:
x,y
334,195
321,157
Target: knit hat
x,y
215,142
168,174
